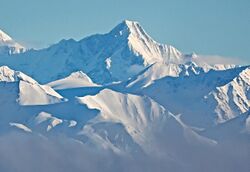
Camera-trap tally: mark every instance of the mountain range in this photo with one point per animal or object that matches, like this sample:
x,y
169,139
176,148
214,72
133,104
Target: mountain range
x,y
118,91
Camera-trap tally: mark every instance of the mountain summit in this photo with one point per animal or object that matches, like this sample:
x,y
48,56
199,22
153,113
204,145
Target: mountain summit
x,y
8,45
142,44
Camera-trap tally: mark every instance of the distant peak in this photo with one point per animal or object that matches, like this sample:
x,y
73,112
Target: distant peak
x,y
142,44
127,27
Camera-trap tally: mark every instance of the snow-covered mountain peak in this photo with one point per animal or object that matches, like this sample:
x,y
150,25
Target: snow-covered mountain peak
x,y
143,45
8,45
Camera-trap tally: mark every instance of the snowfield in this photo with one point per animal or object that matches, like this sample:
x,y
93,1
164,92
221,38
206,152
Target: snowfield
x,y
120,101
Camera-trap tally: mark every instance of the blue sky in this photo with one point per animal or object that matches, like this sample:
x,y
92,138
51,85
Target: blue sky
x,y
213,27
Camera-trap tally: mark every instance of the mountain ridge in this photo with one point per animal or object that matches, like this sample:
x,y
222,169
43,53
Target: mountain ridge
x,y
115,56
